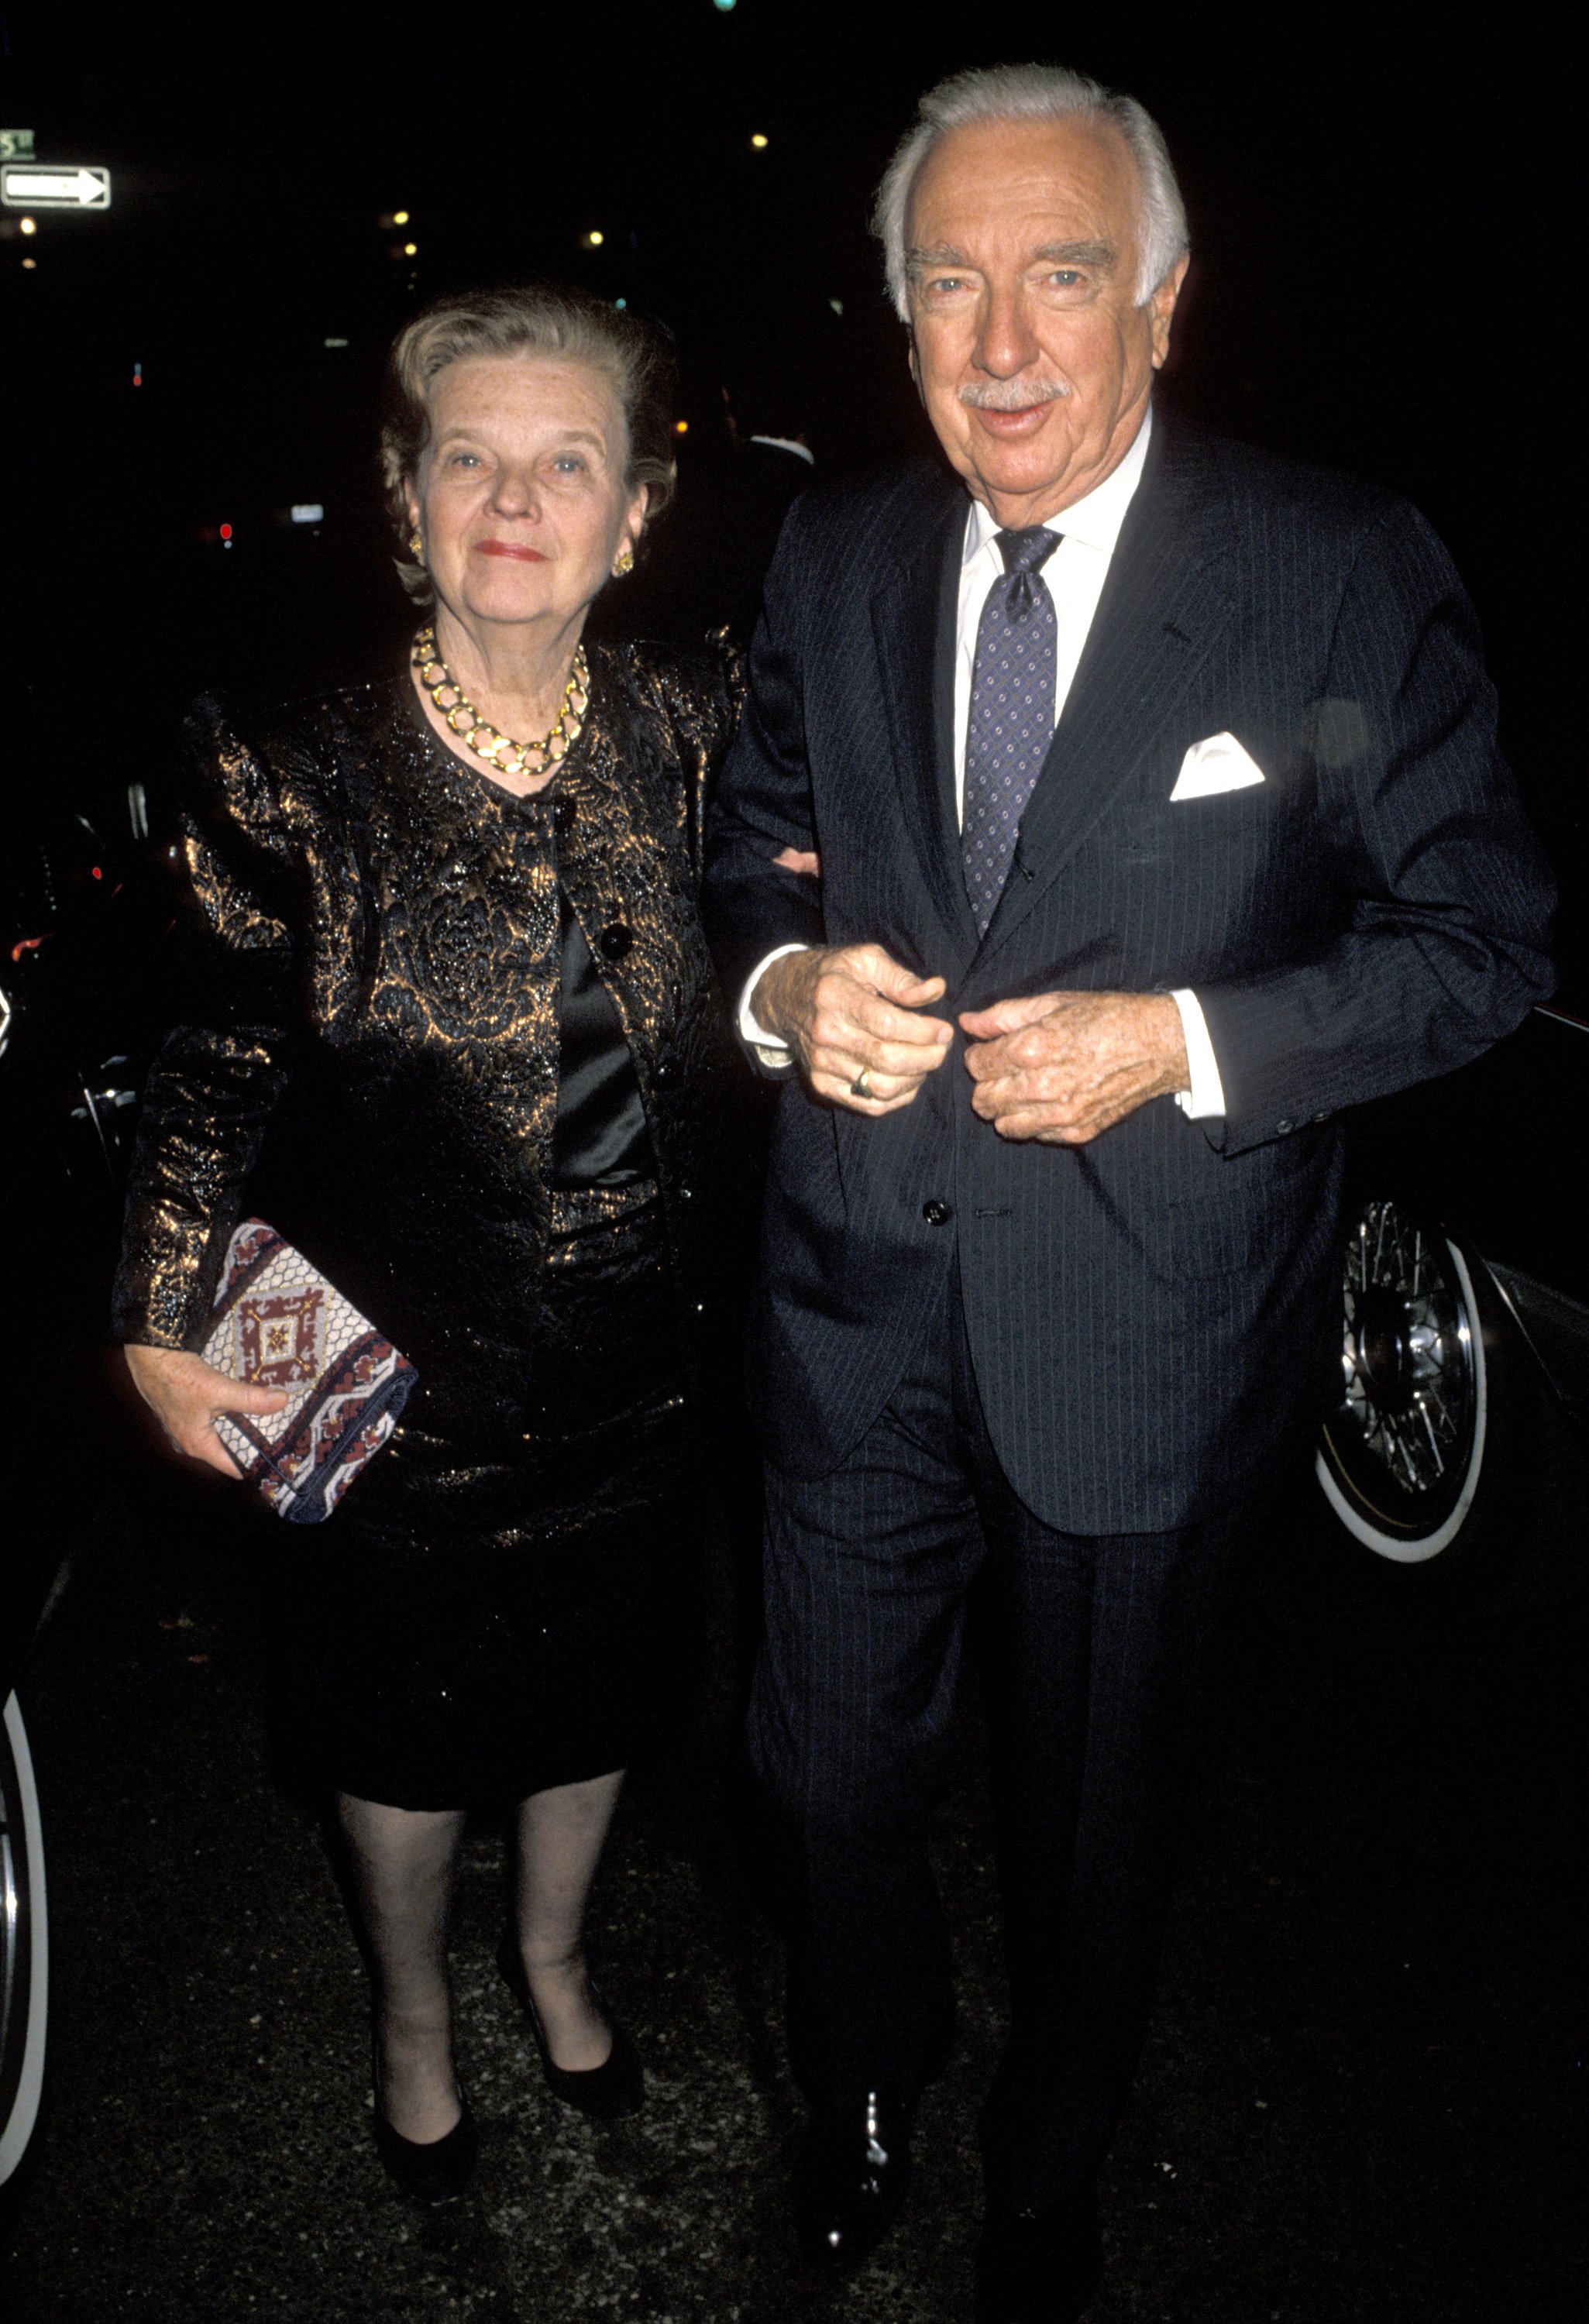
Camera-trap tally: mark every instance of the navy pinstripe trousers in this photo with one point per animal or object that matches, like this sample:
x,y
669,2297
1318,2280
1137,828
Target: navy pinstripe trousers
x,y
1102,1646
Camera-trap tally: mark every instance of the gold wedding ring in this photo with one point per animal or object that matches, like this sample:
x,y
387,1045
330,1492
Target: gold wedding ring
x,y
862,1084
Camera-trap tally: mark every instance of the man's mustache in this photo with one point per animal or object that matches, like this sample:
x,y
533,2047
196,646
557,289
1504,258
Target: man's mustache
x,y
1012,395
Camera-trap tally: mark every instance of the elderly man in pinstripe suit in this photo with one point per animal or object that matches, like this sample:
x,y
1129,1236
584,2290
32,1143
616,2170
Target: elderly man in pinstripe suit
x,y
1111,809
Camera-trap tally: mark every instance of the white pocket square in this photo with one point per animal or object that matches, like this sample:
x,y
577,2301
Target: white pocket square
x,y
1219,763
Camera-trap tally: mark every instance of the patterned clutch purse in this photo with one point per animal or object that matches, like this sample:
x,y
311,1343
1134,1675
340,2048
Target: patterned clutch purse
x,y
278,1323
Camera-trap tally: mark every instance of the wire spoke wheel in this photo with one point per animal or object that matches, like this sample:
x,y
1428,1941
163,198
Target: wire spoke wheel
x,y
1402,1455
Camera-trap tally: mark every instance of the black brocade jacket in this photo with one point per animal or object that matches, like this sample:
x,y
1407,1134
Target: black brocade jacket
x,y
370,1062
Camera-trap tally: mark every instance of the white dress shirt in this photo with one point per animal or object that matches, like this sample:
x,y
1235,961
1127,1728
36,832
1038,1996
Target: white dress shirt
x,y
1075,572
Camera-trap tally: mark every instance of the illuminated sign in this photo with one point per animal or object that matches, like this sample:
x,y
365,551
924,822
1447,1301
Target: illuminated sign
x,y
29,186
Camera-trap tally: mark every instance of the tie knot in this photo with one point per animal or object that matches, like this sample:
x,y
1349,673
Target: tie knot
x,y
1025,551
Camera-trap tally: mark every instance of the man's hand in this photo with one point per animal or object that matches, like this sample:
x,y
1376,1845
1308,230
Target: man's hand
x,y
184,1393
847,1012
1062,1067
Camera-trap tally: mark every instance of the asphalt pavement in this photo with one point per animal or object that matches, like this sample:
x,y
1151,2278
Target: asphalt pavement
x,y
1362,2096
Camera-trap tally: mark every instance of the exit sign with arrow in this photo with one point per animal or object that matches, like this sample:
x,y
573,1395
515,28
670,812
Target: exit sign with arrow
x,y
37,186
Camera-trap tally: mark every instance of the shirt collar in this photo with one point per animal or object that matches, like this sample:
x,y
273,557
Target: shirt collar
x,y
1095,519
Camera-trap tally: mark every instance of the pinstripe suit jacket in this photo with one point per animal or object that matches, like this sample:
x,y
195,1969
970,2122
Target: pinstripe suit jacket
x,y
1149,1316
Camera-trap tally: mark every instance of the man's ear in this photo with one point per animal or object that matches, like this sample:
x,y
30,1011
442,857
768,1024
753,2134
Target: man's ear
x,y
915,368
1161,308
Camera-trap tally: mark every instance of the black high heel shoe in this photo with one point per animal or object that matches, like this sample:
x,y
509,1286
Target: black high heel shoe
x,y
434,2171
616,2087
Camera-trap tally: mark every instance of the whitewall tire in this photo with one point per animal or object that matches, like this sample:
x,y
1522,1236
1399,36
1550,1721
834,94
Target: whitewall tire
x,y
25,1951
1408,1459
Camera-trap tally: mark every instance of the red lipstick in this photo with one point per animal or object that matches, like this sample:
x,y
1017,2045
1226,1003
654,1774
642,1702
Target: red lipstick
x,y
507,548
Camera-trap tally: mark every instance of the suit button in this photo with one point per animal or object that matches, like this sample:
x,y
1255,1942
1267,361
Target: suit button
x,y
1283,1125
616,941
936,1213
667,1074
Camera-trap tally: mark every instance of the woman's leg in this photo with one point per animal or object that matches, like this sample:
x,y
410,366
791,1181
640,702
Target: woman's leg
x,y
402,1861
560,1838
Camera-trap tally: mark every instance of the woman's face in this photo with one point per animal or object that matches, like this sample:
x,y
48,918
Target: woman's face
x,y
520,493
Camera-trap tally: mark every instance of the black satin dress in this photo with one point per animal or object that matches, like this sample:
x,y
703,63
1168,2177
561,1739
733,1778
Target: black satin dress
x,y
466,1051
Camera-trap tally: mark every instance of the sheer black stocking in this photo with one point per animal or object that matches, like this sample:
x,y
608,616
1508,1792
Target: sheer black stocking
x,y
561,1836
402,1861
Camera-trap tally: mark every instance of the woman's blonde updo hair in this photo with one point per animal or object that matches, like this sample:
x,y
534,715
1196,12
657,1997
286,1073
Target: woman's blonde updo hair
x,y
542,318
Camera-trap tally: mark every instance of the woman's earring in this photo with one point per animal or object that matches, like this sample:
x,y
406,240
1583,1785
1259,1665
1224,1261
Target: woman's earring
x,y
416,546
625,564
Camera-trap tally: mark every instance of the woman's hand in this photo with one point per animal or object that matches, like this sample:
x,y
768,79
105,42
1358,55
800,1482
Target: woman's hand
x,y
184,1393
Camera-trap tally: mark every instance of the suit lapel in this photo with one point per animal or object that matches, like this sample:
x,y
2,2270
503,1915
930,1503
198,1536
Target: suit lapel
x,y
1163,605
913,622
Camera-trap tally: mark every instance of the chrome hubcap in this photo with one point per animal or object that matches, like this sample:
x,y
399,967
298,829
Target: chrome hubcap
x,y
1407,1350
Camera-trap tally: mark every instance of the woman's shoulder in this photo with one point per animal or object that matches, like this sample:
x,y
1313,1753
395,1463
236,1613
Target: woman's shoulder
x,y
264,763
698,689
308,726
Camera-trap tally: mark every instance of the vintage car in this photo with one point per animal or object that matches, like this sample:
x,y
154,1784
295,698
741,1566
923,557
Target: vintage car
x,y
1465,1313
76,916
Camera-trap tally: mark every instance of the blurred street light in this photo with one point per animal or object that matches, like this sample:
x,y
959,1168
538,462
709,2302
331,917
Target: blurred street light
x,y
27,225
410,249
593,240
400,217
758,141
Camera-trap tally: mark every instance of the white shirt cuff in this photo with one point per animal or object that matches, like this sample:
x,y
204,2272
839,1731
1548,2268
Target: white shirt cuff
x,y
1205,1097
773,1053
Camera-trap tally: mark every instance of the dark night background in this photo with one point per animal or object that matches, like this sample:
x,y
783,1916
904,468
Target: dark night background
x,y
1363,2095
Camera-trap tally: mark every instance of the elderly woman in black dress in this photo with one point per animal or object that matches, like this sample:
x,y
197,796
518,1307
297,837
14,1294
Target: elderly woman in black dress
x,y
459,1043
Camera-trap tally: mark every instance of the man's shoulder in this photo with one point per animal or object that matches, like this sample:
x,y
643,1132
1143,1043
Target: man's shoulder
x,y
876,515
1296,536
1254,482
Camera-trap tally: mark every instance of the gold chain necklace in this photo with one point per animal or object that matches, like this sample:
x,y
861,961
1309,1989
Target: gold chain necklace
x,y
501,753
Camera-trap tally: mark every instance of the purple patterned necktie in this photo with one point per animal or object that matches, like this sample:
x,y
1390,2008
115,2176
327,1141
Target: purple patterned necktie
x,y
1012,721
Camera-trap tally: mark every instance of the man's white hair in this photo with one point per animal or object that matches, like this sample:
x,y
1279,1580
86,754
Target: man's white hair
x,y
1032,93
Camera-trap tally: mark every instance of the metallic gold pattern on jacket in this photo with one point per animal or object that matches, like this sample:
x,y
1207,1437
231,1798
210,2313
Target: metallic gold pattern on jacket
x,y
372,1048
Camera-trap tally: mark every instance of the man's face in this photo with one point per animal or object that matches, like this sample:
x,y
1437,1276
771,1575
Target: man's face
x,y
1033,357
